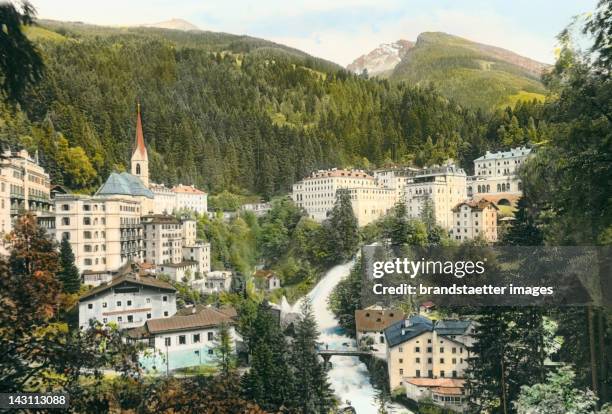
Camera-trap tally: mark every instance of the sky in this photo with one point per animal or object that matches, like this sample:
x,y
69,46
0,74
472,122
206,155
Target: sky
x,y
342,30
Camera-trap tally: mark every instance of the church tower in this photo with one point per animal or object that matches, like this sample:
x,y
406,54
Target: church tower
x,y
140,159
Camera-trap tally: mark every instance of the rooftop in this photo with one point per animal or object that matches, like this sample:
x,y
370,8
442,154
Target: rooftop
x,y
406,329
340,173
514,152
479,204
160,219
190,318
374,320
187,189
124,184
129,279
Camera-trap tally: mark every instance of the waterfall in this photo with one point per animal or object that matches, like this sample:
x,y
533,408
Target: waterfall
x,y
348,376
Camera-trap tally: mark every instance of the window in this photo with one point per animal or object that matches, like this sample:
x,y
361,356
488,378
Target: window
x,y
130,318
210,336
137,169
401,361
210,352
152,342
418,360
165,313
65,221
148,300
196,338
168,341
441,374
429,360
119,319
87,234
454,374
454,360
90,306
441,350
87,262
417,349
430,373
104,304
65,207
165,298
118,303
401,349
441,360
129,303
66,235
87,248
87,221
429,341
417,373
454,350
429,349
401,371
182,340
148,316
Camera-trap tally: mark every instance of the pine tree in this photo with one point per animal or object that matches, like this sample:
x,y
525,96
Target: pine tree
x,y
398,229
224,351
524,231
342,228
68,273
269,381
314,392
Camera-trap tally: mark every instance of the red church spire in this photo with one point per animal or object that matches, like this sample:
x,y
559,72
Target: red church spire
x,y
140,145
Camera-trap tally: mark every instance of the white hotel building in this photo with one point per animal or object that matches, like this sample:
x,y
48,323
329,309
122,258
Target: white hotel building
x,y
496,174
317,194
475,219
443,186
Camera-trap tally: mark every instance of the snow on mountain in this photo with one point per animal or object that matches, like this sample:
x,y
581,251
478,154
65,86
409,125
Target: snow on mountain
x,y
382,59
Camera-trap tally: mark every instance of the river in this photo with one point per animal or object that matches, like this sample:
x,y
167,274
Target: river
x,y
348,376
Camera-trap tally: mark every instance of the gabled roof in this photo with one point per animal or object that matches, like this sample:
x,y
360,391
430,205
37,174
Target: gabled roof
x,y
200,318
452,327
376,320
129,279
124,184
479,204
402,331
187,189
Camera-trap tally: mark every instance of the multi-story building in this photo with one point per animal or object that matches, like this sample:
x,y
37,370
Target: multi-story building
x,y
105,233
440,186
214,282
190,198
396,178
496,174
128,300
171,245
475,219
164,199
370,325
163,239
317,194
24,186
418,347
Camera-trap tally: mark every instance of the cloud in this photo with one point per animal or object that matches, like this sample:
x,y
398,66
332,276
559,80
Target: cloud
x,y
343,44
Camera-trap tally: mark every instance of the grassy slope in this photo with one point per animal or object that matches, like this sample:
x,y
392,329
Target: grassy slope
x,y
467,72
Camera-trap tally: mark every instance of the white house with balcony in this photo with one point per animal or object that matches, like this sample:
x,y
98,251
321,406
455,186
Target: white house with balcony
x,y
128,300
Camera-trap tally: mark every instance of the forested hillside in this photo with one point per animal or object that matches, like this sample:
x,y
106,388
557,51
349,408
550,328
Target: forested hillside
x,y
231,112
474,74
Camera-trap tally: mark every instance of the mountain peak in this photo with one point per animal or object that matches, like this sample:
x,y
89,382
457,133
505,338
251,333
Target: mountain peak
x,y
174,24
382,59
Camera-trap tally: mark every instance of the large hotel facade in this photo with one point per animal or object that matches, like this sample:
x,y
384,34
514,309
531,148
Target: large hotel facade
x,y
317,194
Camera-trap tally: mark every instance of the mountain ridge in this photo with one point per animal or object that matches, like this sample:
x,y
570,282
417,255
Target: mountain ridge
x,y
458,67
174,24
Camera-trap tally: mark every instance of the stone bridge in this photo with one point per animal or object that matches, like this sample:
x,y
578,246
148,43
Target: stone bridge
x,y
326,354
